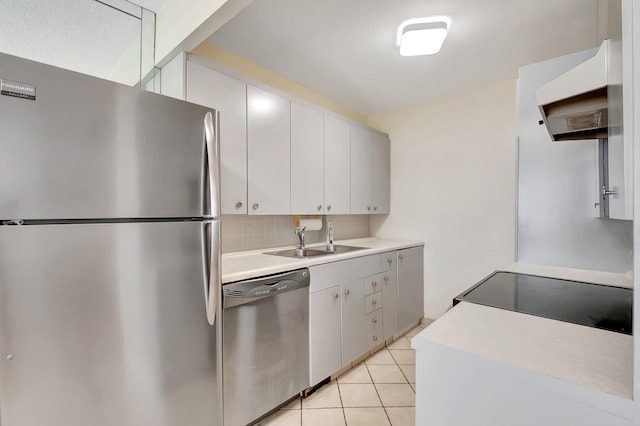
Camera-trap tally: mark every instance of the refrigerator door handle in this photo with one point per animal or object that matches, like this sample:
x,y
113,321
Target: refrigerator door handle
x,y
212,271
212,149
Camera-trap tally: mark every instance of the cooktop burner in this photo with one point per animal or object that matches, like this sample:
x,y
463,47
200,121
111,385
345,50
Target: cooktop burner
x,y
593,305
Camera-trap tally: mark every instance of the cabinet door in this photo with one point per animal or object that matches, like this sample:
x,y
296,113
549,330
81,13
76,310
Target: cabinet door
x,y
360,170
269,148
325,356
307,160
229,96
337,166
390,296
353,331
410,286
380,173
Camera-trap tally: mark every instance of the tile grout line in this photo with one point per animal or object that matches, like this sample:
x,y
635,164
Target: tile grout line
x,y
344,415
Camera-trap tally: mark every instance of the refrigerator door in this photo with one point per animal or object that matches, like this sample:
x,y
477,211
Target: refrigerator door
x,y
90,148
106,324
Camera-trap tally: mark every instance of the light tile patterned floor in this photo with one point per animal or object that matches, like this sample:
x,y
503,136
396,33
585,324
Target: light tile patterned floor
x,y
379,391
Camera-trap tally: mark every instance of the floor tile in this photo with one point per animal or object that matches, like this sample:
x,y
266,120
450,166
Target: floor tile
x,y
396,395
426,322
359,395
382,373
411,333
404,356
358,374
381,357
409,372
402,416
366,417
323,417
401,343
283,418
413,386
296,404
327,396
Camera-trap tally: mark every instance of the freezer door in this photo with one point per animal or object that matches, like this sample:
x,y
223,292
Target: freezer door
x,y
106,324
89,148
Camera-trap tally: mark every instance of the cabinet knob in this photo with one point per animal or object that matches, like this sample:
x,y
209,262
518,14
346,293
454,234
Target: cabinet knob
x,y
375,208
375,338
374,320
389,260
400,256
347,292
386,278
368,208
374,283
329,208
239,205
255,206
374,301
319,207
336,295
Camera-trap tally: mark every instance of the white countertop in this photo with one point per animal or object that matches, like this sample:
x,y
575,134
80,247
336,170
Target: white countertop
x,y
590,276
250,264
590,357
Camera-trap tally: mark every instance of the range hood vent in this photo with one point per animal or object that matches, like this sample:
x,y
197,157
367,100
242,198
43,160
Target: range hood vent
x,y
574,106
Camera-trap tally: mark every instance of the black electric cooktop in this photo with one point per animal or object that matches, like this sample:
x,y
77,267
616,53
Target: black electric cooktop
x,y
593,305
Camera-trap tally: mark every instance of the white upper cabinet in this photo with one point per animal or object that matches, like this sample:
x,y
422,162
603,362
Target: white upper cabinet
x,y
360,170
369,172
337,166
269,153
307,160
380,173
229,96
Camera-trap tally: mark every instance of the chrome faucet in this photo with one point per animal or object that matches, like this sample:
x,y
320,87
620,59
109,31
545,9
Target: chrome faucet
x,y
330,242
300,234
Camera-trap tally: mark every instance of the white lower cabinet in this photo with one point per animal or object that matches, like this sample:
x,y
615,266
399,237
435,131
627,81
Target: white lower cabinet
x,y
353,343
355,305
325,343
410,286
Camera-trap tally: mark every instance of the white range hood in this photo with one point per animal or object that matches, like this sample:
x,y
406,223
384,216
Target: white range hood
x,y
574,106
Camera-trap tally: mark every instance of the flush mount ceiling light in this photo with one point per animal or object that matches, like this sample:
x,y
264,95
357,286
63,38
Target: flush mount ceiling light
x,y
422,36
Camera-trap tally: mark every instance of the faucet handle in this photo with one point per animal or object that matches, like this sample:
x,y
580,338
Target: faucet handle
x,y
300,230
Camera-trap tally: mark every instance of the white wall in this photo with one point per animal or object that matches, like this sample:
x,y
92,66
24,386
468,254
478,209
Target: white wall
x,y
453,185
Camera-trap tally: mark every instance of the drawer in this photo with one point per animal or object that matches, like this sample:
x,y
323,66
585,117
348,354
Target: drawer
x,y
373,283
374,338
373,320
372,302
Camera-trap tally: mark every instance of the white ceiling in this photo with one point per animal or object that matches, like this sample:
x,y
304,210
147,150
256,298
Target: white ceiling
x,y
345,49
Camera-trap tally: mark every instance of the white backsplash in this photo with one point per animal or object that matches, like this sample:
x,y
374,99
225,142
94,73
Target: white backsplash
x,y
243,232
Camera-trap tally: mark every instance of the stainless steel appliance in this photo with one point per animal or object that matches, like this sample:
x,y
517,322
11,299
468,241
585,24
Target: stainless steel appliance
x,y
109,254
265,344
593,305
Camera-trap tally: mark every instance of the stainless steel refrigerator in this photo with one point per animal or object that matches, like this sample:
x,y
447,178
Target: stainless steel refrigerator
x,y
109,253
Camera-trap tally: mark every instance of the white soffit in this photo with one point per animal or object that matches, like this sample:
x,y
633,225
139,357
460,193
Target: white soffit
x,y
347,50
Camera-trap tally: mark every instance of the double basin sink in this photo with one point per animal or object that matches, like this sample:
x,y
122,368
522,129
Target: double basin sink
x,y
315,251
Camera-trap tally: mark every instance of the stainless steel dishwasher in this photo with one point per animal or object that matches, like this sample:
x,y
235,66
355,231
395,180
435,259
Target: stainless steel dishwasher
x,y
265,344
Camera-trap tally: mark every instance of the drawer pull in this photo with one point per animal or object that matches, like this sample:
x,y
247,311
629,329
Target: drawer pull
x,y
347,292
374,301
375,338
386,278
374,283
336,295
374,320
389,260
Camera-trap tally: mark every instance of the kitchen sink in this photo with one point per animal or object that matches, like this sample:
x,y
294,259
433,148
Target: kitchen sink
x,y
315,251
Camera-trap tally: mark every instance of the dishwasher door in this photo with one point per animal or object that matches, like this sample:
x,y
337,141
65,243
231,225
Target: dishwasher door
x,y
265,344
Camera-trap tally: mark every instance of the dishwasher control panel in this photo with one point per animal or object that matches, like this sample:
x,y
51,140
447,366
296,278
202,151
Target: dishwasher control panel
x,y
267,286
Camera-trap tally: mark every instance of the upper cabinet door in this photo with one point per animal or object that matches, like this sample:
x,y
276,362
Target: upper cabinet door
x,y
269,151
307,163
337,166
360,170
380,173
229,96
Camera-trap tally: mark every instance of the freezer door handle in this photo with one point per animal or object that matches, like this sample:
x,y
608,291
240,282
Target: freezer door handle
x,y
212,271
212,149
